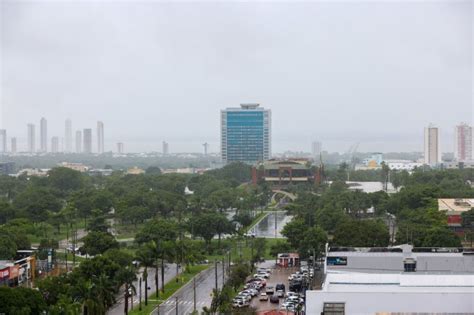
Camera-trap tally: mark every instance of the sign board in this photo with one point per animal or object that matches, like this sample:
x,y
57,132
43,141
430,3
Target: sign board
x,y
336,261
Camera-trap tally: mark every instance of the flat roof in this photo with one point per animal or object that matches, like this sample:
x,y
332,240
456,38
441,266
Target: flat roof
x,y
458,205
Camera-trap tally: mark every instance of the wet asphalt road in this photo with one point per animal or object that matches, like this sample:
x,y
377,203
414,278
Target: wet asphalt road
x,y
205,282
271,225
170,272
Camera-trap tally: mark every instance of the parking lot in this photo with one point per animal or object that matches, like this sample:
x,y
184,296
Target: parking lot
x,y
271,289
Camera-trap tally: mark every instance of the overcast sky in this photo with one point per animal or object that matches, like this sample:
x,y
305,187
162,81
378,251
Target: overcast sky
x,y
339,72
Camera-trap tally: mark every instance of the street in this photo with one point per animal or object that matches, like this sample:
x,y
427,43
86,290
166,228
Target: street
x,y
205,282
170,272
271,225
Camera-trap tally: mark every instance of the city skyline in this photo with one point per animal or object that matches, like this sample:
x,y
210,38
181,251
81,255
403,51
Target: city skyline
x,y
336,93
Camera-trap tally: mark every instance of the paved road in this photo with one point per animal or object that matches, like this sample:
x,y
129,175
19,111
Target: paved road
x,y
271,225
170,273
205,283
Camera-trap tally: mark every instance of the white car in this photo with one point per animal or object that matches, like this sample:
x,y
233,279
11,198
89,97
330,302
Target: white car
x,y
289,293
280,293
263,297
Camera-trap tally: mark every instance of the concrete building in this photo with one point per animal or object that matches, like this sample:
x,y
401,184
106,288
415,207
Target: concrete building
x,y
458,165
87,143
120,147
75,166
463,143
54,145
100,137
78,141
246,134
399,279
165,148
432,151
403,165
3,141
281,173
316,149
13,148
7,168
43,135
454,208
68,136
31,138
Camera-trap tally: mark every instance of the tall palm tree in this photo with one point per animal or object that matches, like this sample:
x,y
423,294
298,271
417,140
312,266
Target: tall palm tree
x,y
146,257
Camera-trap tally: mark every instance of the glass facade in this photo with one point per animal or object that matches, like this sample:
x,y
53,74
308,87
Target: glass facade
x,y
245,134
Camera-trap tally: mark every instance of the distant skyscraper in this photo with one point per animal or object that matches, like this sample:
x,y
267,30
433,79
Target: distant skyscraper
x,y
87,146
432,149
13,148
165,148
120,147
78,141
206,147
54,145
463,143
3,140
68,136
246,134
43,135
100,137
316,149
31,138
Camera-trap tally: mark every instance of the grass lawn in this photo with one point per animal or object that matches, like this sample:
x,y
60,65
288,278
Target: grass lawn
x,y
52,232
170,288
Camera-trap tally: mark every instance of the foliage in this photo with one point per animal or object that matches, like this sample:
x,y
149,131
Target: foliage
x,y
361,233
98,242
21,301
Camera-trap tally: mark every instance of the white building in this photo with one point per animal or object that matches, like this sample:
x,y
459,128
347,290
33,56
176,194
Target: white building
x,y
3,140
68,136
403,165
43,135
54,145
463,143
100,137
31,138
399,279
78,141
432,150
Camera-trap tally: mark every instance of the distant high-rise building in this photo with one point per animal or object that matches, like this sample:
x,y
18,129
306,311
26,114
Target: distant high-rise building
x,y
316,149
13,146
246,134
206,148
43,135
165,148
3,140
78,141
432,150
100,137
54,145
463,143
120,147
31,138
68,136
87,144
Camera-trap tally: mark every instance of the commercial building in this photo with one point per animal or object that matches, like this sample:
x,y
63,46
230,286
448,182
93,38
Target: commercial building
x,y
245,134
283,172
165,148
87,143
75,166
458,165
399,279
403,165
432,151
54,145
100,137
68,136
316,149
43,135
31,138
78,141
463,143
454,208
120,147
13,148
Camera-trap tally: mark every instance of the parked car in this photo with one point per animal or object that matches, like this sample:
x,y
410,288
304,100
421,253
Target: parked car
x,y
270,290
263,297
280,293
274,299
280,287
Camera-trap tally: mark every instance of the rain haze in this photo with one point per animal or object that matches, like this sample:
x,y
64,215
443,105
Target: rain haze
x,y
338,72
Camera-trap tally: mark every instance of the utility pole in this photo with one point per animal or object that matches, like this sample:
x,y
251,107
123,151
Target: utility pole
x,y
223,271
176,305
140,294
215,270
194,293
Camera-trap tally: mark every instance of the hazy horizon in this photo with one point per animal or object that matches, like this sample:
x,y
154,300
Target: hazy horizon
x,y
376,73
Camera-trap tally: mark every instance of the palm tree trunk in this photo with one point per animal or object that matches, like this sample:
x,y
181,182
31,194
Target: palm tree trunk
x,y
156,278
163,275
145,275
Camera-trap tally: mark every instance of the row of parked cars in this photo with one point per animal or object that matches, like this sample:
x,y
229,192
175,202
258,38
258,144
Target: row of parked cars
x,y
252,288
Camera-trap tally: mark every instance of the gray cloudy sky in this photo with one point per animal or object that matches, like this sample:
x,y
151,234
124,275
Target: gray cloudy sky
x,y
341,72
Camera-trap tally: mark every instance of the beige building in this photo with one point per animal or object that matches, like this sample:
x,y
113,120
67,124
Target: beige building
x,y
432,150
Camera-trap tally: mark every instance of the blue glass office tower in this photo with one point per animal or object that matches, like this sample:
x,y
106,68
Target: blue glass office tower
x,y
245,134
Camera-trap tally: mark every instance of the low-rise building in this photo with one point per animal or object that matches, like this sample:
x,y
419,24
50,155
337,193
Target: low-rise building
x,y
283,172
454,208
135,171
75,166
399,279
403,165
